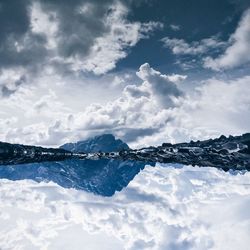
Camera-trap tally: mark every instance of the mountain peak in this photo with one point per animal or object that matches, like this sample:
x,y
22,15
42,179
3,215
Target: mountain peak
x,y
104,143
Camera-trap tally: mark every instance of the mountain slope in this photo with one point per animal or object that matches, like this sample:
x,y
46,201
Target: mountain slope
x,y
104,143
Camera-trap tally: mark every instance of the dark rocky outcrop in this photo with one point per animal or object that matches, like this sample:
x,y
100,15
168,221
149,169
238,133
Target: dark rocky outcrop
x,y
224,152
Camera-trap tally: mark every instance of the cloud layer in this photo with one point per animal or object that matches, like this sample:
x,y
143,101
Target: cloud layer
x,y
153,110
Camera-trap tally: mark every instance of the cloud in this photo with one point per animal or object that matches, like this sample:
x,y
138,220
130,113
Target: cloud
x,y
52,120
11,80
71,37
214,108
175,27
238,51
136,92
140,109
163,87
45,24
217,107
181,47
152,110
111,47
44,30
187,207
9,26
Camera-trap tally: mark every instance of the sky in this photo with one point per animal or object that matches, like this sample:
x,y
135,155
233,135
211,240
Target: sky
x,y
147,71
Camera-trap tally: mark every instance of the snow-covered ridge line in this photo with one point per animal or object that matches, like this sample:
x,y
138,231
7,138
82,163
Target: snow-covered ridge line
x,y
231,152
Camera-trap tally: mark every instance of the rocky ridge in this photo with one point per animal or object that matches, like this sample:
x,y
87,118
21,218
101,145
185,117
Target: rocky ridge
x,y
227,153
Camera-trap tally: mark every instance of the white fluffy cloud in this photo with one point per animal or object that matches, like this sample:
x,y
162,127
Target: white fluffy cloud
x,y
238,51
49,121
140,109
157,111
111,47
101,53
154,110
163,87
181,47
162,208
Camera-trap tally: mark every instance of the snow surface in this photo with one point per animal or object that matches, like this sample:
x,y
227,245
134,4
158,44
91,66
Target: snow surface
x,y
162,208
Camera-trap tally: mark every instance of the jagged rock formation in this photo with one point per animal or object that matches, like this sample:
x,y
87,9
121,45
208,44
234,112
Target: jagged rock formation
x,y
227,153
224,152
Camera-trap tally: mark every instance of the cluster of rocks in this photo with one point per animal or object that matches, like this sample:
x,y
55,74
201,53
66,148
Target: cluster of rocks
x,y
227,153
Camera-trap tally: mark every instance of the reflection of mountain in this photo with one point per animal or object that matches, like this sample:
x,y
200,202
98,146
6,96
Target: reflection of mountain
x,y
102,177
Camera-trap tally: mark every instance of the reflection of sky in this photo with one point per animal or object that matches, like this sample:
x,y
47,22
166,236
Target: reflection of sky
x,y
162,208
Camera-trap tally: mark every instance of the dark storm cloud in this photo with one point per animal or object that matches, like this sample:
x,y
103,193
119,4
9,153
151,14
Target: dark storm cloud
x,y
76,31
32,53
14,24
64,35
9,87
25,35
14,18
6,91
